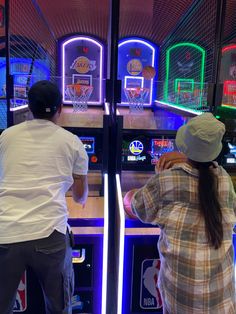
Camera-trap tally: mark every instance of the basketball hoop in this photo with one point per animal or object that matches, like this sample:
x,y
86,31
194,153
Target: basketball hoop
x,y
79,95
136,97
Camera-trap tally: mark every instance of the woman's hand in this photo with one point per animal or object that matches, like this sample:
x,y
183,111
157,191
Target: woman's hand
x,y
167,161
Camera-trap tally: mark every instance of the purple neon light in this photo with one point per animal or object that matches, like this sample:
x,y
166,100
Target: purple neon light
x,y
64,44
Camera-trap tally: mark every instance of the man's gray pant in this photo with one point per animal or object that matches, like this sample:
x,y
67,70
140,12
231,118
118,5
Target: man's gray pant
x,y
51,260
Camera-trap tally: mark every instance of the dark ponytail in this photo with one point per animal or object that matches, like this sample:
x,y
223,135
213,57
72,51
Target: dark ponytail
x,y
209,203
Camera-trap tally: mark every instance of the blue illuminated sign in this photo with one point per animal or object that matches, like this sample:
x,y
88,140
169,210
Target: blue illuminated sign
x,y
89,144
150,297
133,55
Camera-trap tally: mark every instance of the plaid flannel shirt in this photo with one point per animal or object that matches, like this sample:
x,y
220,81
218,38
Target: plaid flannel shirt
x,y
194,277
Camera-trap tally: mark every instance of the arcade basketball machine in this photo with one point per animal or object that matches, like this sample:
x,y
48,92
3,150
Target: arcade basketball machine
x,y
134,55
82,85
138,72
84,115
146,134
24,73
228,79
139,261
82,81
90,228
226,110
184,88
81,62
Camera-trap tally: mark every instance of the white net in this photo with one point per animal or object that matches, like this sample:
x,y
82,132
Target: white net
x,y
79,96
136,98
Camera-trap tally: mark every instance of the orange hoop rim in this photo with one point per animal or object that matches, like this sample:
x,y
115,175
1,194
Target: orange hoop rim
x,y
136,88
79,86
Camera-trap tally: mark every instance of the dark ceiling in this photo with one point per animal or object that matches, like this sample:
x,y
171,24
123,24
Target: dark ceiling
x,y
152,19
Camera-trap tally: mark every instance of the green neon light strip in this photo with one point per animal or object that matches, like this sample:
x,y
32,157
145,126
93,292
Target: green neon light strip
x,y
228,106
181,107
166,87
179,80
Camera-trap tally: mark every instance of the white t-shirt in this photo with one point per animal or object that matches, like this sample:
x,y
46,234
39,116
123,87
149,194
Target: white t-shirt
x,y
37,159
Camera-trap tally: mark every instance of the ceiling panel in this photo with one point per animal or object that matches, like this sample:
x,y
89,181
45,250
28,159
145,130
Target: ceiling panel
x,y
76,16
230,19
153,19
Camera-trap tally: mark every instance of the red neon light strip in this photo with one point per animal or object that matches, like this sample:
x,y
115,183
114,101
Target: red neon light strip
x,y
228,48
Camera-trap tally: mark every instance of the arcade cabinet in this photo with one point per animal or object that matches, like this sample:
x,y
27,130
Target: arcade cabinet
x,y
81,60
83,114
228,80
138,260
134,54
184,88
24,72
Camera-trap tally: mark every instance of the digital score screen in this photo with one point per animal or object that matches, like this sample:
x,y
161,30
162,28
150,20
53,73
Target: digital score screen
x,y
92,141
160,147
230,158
145,151
135,52
82,49
89,144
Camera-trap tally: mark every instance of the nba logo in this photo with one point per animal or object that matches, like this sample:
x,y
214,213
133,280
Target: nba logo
x,y
20,303
150,297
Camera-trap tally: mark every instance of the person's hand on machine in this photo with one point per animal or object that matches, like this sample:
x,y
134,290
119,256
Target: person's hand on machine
x,y
168,160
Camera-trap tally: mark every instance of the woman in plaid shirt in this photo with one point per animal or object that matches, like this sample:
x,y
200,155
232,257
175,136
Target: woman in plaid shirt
x,y
194,204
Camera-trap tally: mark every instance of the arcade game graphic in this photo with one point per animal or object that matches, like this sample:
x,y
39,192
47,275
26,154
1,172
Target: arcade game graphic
x,y
184,85
82,64
134,55
143,152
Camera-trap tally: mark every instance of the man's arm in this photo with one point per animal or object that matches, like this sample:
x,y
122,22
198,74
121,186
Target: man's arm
x,y
80,188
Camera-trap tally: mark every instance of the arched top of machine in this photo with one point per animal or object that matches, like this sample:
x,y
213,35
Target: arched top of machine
x,y
82,62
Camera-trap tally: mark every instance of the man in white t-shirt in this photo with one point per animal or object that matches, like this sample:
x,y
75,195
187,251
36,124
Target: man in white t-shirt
x,y
39,162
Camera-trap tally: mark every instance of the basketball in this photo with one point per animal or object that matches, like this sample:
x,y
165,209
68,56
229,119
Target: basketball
x,y
77,89
148,72
73,90
127,203
137,92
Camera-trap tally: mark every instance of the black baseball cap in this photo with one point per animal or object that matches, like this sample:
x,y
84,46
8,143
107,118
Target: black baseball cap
x,y
44,99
